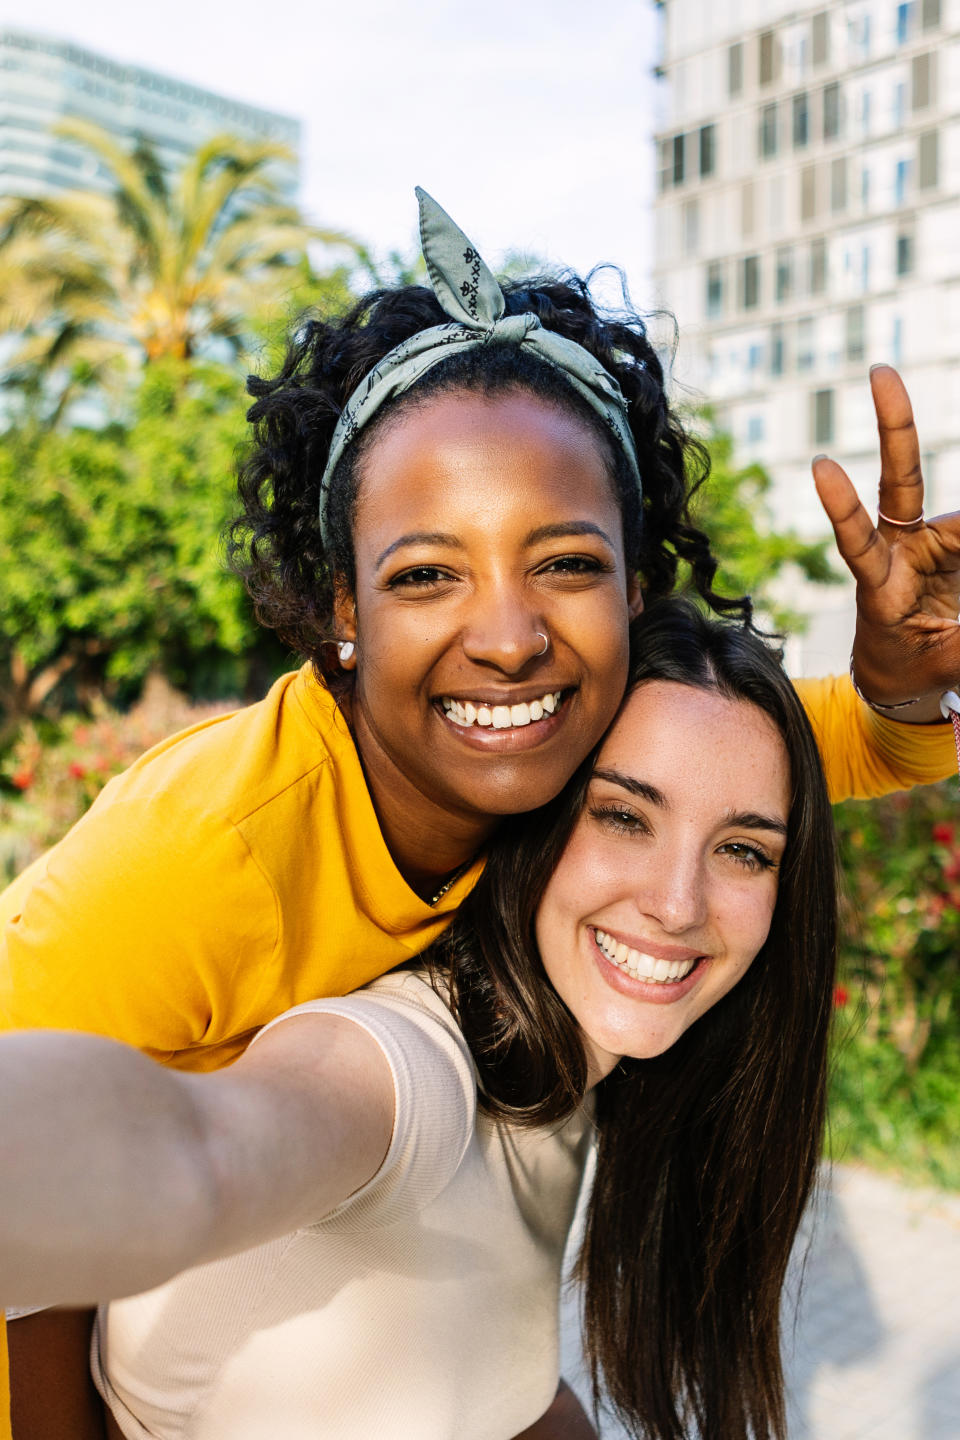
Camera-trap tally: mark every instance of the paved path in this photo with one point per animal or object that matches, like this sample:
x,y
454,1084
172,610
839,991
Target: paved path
x,y
875,1354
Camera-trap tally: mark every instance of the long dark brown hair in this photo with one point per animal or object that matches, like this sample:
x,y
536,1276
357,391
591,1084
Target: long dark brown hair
x,y
706,1154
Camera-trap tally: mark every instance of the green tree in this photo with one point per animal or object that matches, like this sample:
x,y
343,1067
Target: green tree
x,y
733,507
109,551
158,267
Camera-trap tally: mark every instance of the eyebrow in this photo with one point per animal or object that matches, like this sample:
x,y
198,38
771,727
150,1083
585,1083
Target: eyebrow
x,y
748,819
543,532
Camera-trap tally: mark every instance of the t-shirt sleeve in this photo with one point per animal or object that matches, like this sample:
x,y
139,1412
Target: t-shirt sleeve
x,y
435,1103
865,754
137,926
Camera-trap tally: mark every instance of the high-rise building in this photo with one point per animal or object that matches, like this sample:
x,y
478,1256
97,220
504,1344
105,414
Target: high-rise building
x,y
44,80
808,225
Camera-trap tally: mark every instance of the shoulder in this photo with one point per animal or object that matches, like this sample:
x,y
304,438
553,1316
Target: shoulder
x,y
435,1092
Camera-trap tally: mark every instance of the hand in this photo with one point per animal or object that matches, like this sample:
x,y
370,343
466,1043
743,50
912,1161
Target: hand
x,y
907,641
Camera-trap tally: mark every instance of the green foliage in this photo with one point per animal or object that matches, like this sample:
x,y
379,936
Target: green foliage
x,y
896,1087
733,508
109,564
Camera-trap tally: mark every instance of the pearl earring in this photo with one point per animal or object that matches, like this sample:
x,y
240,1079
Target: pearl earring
x,y
345,650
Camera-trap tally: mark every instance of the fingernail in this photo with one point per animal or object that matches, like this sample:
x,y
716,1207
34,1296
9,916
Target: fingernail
x,y
818,457
880,365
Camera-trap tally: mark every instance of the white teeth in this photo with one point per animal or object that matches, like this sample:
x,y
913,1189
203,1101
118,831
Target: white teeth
x,y
639,965
500,717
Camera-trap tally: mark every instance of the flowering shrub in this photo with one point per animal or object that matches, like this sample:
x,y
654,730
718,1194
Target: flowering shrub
x,y
53,775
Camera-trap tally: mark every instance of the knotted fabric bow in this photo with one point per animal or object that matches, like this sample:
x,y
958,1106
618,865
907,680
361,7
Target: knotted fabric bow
x,y
474,301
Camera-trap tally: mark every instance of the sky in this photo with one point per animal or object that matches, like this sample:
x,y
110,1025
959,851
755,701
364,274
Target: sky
x,y
529,120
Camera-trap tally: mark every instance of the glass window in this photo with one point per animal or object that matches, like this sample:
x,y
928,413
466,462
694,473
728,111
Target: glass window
x,y
904,261
818,266
664,164
714,289
899,105
854,327
708,149
783,282
930,14
897,340
901,180
831,110
747,209
768,57
768,132
865,188
806,344
678,159
750,282
904,22
821,417
777,356
928,160
821,38
755,427
838,185
921,80
865,108
808,192
801,120
754,357
735,68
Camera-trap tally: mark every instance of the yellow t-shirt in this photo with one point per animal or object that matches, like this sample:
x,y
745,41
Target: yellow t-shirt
x,y
237,870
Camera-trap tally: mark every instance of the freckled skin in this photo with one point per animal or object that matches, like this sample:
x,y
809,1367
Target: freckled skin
x,y
502,526
676,880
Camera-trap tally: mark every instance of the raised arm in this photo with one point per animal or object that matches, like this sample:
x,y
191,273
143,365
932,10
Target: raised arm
x,y
118,1173
907,568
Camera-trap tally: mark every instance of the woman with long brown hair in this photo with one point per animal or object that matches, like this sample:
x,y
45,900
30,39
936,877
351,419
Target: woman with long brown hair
x,y
372,1203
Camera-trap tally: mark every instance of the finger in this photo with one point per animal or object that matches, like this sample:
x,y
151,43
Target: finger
x,y
901,479
862,549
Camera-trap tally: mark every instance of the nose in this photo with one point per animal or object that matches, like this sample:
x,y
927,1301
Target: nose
x,y
672,889
504,632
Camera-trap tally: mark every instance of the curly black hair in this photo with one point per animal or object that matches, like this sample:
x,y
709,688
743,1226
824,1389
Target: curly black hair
x,y
275,542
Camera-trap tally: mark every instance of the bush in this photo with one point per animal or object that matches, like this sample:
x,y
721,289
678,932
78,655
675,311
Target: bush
x,y
896,1084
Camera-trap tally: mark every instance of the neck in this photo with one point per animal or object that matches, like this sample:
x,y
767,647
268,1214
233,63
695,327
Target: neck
x,y
428,841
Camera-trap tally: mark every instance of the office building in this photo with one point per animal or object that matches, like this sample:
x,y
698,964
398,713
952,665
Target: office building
x,y
808,225
43,80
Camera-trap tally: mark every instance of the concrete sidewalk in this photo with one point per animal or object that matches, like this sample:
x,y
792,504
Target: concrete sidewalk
x,y
875,1353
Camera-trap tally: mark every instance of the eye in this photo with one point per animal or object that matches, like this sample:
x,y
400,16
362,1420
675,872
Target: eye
x,y
419,577
576,565
751,857
619,819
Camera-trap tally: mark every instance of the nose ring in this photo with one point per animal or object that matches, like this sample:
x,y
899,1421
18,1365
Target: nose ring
x,y
546,644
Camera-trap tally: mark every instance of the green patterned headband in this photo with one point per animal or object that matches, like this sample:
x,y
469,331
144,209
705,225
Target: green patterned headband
x,y
474,301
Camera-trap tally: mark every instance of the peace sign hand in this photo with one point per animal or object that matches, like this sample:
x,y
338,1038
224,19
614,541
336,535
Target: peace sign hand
x,y
907,569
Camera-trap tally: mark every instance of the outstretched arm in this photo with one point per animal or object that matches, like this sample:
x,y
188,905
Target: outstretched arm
x,y
907,568
118,1173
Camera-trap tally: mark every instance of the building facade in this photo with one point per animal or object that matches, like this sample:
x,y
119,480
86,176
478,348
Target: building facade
x,y
807,226
44,80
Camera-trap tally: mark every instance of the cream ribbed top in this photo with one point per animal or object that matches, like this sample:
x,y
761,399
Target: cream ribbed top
x,y
423,1308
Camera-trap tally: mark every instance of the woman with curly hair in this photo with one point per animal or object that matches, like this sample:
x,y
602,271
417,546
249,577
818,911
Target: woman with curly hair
x,y
646,964
455,501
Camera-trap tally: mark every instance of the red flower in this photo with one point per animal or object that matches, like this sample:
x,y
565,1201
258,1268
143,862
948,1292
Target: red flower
x,y
23,779
943,832
77,770
840,996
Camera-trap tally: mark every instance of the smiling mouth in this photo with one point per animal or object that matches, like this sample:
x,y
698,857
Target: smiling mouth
x,y
644,967
466,713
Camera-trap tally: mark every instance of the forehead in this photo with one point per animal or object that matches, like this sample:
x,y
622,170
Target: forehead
x,y
698,746
461,450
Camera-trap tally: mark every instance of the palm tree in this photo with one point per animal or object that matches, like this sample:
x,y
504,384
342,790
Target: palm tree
x,y
156,267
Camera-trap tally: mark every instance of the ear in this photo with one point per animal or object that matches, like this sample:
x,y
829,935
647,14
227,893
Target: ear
x,y
345,619
634,596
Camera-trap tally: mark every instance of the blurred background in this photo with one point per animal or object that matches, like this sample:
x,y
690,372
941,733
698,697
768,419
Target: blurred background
x,y
178,182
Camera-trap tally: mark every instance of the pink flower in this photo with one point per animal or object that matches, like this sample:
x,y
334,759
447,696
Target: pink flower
x,y
77,770
943,832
